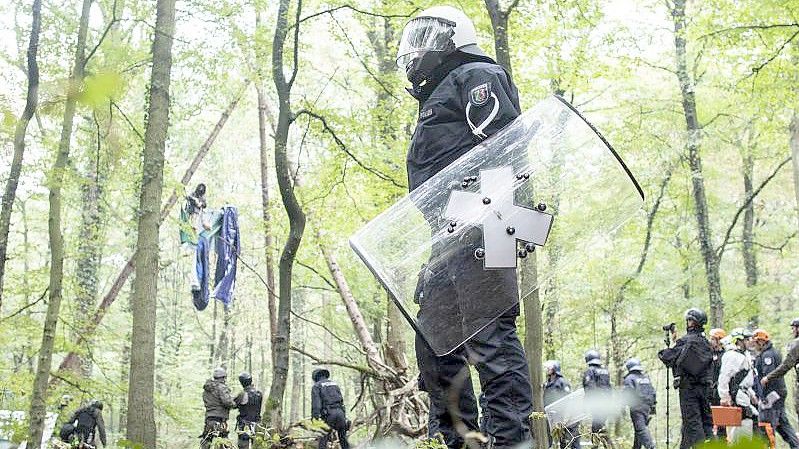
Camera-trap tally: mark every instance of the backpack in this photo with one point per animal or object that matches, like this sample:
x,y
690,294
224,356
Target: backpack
x,y
696,357
646,392
331,394
602,378
66,432
86,420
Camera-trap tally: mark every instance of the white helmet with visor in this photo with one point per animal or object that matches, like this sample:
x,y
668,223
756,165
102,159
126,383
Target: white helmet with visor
x,y
439,28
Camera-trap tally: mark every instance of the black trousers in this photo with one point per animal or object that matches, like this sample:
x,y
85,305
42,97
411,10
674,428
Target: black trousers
x,y
643,438
506,399
697,422
337,421
245,430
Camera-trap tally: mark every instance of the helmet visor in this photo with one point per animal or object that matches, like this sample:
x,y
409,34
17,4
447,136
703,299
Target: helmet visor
x,y
422,35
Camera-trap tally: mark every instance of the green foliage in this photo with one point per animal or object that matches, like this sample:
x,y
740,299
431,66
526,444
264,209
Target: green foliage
x,y
742,443
101,87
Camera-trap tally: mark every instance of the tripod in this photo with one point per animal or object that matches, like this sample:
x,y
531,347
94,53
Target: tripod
x,y
667,341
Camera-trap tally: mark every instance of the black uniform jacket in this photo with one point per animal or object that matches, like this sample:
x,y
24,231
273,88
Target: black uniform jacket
x,y
766,362
556,389
445,131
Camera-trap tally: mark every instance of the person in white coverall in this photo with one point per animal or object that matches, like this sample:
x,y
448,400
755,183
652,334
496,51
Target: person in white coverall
x,y
736,381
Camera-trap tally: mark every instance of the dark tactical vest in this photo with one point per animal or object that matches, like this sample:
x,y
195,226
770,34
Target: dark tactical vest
x,y
599,376
331,396
86,420
251,411
645,390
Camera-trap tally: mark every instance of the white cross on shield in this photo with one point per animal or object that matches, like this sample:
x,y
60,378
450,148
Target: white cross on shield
x,y
503,222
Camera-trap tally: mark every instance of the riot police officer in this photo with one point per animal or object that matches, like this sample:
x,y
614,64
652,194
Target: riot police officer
x,y
596,383
464,97
327,404
691,359
249,404
772,398
643,406
555,388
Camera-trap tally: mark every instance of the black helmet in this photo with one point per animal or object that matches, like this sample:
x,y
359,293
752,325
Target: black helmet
x,y
795,322
633,364
592,357
245,379
98,404
696,315
554,365
319,374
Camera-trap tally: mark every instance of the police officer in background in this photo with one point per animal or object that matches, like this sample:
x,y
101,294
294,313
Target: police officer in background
x,y
249,404
218,402
772,398
691,361
596,382
716,335
644,402
463,97
327,404
555,388
86,421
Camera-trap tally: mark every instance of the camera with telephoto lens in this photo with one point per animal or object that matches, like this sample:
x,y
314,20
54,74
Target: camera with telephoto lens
x,y
670,327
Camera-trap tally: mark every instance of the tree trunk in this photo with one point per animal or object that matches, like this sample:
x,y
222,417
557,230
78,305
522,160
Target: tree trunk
x,y
141,415
533,344
55,181
381,35
70,362
296,364
794,144
499,24
89,249
533,338
695,162
296,216
263,110
10,191
748,250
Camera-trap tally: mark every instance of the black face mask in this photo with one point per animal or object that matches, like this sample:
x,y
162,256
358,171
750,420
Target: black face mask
x,y
427,71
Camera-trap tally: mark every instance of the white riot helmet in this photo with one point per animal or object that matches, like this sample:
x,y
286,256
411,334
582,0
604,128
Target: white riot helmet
x,y
440,28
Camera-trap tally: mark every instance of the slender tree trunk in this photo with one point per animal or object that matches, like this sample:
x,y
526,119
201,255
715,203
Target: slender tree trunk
x,y
381,35
695,162
70,362
296,216
55,182
141,415
32,100
296,364
263,118
533,338
794,144
748,250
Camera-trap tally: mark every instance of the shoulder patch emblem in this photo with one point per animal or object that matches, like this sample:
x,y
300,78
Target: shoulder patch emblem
x,y
768,360
426,114
479,95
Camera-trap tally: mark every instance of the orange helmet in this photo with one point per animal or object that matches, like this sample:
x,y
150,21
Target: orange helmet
x,y
717,333
760,335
